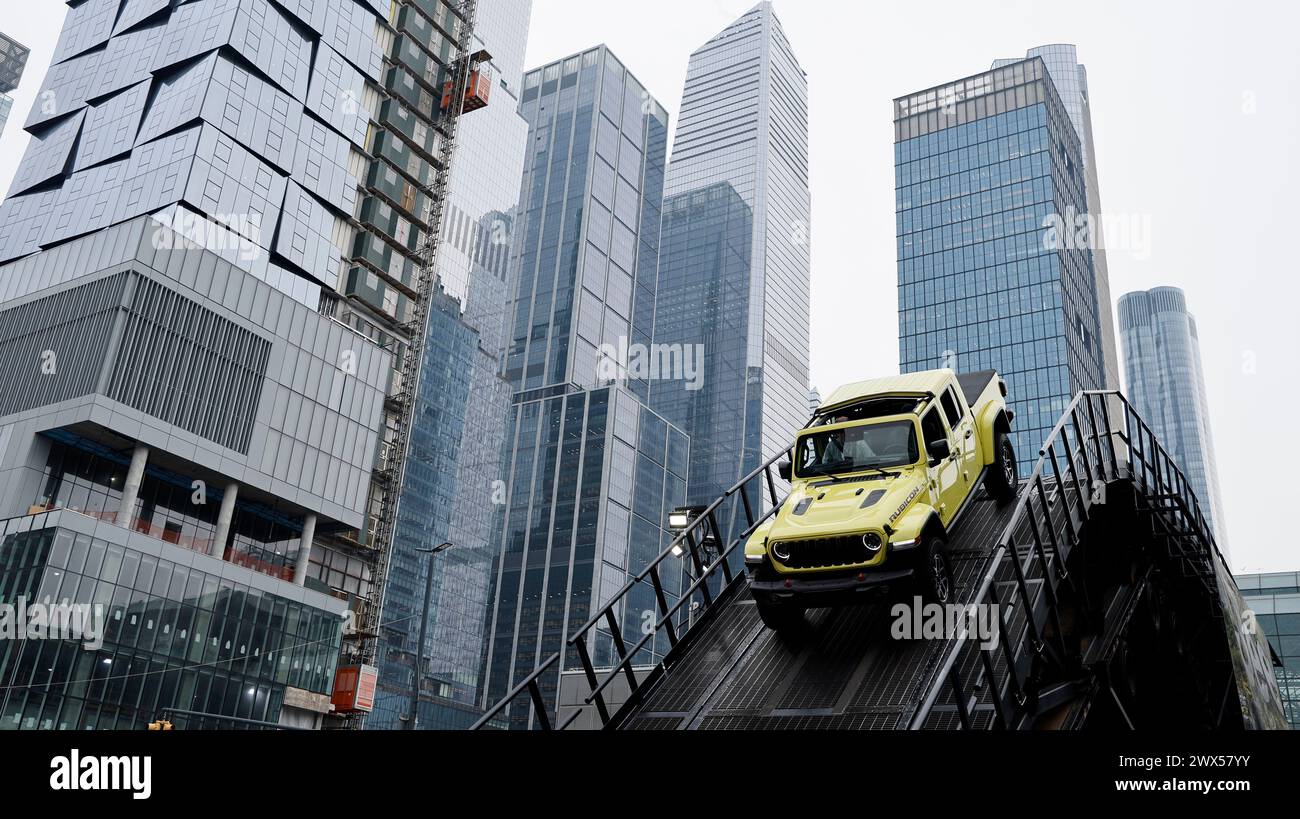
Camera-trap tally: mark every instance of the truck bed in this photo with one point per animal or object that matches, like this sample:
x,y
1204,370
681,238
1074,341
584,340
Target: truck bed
x,y
974,384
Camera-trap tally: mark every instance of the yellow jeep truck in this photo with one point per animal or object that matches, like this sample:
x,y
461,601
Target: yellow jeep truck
x,y
878,479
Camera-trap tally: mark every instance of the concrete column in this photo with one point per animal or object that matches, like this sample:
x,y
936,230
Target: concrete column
x,y
304,549
131,489
224,519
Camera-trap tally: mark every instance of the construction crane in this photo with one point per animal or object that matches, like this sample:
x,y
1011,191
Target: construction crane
x,y
467,81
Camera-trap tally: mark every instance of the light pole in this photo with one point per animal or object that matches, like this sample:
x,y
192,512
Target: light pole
x,y
413,717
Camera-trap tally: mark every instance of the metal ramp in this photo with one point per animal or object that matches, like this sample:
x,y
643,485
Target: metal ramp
x,y
842,672
1113,604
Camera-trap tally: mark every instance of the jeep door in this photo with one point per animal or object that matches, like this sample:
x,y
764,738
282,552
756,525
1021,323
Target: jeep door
x,y
946,489
966,443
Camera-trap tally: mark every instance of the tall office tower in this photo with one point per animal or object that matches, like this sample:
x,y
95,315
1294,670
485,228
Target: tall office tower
x,y
984,167
1071,80
591,469
458,432
734,267
1165,382
13,59
1274,597
178,418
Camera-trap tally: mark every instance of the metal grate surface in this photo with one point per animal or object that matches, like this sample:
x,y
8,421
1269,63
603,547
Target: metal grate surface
x,y
843,672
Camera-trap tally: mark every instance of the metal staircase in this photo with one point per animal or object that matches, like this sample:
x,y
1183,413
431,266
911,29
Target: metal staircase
x,y
1113,605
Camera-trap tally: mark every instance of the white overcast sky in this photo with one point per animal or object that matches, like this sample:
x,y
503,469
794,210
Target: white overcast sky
x,y
1195,113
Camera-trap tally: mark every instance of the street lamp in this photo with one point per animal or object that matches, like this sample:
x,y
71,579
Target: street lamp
x,y
681,518
414,716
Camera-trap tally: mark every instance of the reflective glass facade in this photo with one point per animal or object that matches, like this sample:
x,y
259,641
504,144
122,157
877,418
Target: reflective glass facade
x,y
591,470
6,105
1275,599
734,264
176,634
457,435
1071,81
1165,382
981,166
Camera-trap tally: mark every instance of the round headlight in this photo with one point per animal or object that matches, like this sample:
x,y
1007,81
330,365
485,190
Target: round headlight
x,y
781,551
872,541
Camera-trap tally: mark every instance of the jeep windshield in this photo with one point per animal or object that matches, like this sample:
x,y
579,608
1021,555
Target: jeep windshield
x,y
866,446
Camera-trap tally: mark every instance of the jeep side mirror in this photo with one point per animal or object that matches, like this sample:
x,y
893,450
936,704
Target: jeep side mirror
x,y
939,450
783,469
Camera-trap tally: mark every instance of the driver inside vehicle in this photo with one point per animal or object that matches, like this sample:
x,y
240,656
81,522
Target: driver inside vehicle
x,y
876,445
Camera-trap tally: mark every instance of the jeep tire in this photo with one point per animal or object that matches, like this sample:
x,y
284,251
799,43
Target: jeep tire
x,y
933,572
1002,478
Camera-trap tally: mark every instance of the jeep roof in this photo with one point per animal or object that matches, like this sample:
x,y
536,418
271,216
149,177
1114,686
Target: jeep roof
x,y
921,384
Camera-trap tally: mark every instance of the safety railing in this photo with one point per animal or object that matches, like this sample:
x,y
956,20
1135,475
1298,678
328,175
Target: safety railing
x,y
689,544
1084,447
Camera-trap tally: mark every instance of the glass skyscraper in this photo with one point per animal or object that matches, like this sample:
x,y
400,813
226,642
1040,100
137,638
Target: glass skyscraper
x,y
734,265
591,470
454,463
1071,80
1165,382
1275,599
983,167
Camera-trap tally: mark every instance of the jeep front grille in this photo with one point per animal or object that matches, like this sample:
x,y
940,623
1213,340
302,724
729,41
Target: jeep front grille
x,y
824,552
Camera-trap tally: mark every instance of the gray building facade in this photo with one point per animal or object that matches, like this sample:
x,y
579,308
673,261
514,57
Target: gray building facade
x,y
180,418
1166,383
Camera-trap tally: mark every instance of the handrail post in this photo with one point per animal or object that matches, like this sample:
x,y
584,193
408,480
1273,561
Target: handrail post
x,y
1096,437
1083,446
1110,436
539,706
585,657
620,647
662,602
744,500
699,566
1061,490
717,538
959,696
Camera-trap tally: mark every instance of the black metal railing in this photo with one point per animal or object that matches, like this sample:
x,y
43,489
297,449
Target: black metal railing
x,y
1084,447
689,544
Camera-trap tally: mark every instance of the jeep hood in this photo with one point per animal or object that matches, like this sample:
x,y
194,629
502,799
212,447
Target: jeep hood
x,y
825,508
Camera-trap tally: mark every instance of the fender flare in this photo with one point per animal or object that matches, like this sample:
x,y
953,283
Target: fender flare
x,y
930,522
989,427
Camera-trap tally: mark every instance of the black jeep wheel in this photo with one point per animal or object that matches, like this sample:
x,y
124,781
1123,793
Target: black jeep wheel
x,y
1002,477
781,617
933,572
